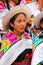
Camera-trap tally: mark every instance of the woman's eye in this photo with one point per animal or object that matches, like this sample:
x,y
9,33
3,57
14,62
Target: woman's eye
x,y
24,20
19,21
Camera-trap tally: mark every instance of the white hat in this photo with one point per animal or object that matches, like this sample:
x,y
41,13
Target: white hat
x,y
17,9
37,19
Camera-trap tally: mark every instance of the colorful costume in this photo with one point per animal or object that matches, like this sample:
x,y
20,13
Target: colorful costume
x,y
8,41
37,49
2,8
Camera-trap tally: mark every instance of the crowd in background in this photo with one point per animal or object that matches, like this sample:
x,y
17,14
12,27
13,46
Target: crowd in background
x,y
19,22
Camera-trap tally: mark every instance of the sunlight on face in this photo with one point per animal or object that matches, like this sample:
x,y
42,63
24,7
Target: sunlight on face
x,y
20,23
41,24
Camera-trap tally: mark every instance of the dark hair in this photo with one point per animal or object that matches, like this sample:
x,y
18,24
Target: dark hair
x,y
36,28
13,19
41,21
18,2
32,16
7,3
41,34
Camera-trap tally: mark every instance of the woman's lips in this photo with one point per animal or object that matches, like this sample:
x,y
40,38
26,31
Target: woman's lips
x,y
22,27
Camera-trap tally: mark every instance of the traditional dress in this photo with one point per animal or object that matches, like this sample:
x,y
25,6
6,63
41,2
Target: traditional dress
x,y
11,40
37,51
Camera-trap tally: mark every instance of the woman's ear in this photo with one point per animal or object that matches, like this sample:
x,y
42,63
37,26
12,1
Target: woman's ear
x,y
11,24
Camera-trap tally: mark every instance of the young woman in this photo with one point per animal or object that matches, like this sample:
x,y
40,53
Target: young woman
x,y
16,37
8,4
38,41
11,3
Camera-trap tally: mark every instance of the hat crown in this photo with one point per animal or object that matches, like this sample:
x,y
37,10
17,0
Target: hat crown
x,y
17,9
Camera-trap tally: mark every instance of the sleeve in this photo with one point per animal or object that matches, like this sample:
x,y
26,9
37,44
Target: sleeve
x,y
37,55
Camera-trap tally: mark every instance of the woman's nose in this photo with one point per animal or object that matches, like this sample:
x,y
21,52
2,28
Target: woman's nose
x,y
23,23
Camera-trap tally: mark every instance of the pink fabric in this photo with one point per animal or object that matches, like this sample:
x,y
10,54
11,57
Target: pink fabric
x,y
2,8
1,3
26,35
1,54
11,6
8,40
22,2
11,37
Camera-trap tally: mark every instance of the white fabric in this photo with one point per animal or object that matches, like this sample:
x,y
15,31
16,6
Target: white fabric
x,y
10,56
3,13
37,19
0,38
1,26
34,8
37,55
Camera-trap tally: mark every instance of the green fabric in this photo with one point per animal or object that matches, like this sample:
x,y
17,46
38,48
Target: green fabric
x,y
9,30
32,0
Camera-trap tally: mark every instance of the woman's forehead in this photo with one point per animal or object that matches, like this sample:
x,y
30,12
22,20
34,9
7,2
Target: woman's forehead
x,y
21,15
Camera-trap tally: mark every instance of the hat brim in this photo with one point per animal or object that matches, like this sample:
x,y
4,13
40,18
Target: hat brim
x,y
37,19
17,9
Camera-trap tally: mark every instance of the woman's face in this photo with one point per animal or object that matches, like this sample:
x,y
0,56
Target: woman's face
x,y
16,1
20,23
41,24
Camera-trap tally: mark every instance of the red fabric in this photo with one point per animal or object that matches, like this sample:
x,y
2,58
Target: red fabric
x,y
28,56
28,1
1,4
21,63
28,62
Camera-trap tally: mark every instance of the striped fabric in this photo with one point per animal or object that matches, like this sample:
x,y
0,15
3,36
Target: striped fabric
x,y
36,42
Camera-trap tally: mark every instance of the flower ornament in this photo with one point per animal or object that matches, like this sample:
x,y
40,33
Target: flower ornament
x,y
1,54
11,37
4,44
9,40
26,35
2,8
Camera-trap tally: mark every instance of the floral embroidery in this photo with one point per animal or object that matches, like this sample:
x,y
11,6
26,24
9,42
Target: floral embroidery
x,y
9,40
36,41
26,35
1,54
4,44
11,37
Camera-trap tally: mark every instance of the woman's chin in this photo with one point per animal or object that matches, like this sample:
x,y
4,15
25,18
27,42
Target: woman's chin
x,y
21,31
